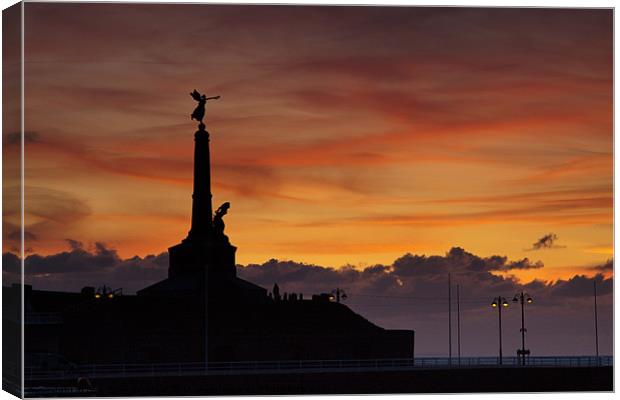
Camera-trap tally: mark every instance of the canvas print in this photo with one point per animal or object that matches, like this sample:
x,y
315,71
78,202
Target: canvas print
x,y
208,200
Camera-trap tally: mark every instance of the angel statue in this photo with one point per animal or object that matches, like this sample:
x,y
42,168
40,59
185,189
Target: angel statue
x,y
199,112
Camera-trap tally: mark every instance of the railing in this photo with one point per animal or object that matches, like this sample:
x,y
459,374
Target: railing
x,y
306,366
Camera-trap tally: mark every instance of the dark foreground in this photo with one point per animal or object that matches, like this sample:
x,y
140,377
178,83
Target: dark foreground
x,y
417,381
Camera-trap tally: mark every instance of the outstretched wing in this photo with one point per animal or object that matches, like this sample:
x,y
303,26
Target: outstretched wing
x,y
195,95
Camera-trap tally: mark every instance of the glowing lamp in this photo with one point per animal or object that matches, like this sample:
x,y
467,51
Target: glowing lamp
x,y
494,304
110,296
505,304
97,296
530,300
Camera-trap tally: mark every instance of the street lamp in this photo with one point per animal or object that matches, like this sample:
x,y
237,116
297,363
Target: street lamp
x,y
523,298
499,303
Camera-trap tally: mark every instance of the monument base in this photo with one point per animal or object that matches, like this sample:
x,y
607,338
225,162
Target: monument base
x,y
191,255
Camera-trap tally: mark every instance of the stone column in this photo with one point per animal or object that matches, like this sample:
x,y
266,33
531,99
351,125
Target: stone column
x,y
202,209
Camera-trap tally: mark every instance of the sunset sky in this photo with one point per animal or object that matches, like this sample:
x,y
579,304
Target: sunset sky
x,y
344,135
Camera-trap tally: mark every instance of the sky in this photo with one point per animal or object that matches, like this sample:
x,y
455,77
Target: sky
x,y
345,136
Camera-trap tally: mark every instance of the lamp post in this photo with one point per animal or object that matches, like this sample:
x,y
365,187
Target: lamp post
x,y
596,325
449,320
499,303
458,323
522,298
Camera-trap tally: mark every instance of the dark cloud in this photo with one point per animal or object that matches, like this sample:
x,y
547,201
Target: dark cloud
x,y
418,272
75,244
606,267
458,260
420,277
409,275
99,264
410,293
74,261
523,264
308,278
582,286
10,263
547,242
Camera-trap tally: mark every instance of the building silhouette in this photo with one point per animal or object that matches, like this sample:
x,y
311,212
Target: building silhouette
x,y
202,312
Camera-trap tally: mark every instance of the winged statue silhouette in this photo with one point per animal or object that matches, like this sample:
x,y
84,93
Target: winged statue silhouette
x,y
199,111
